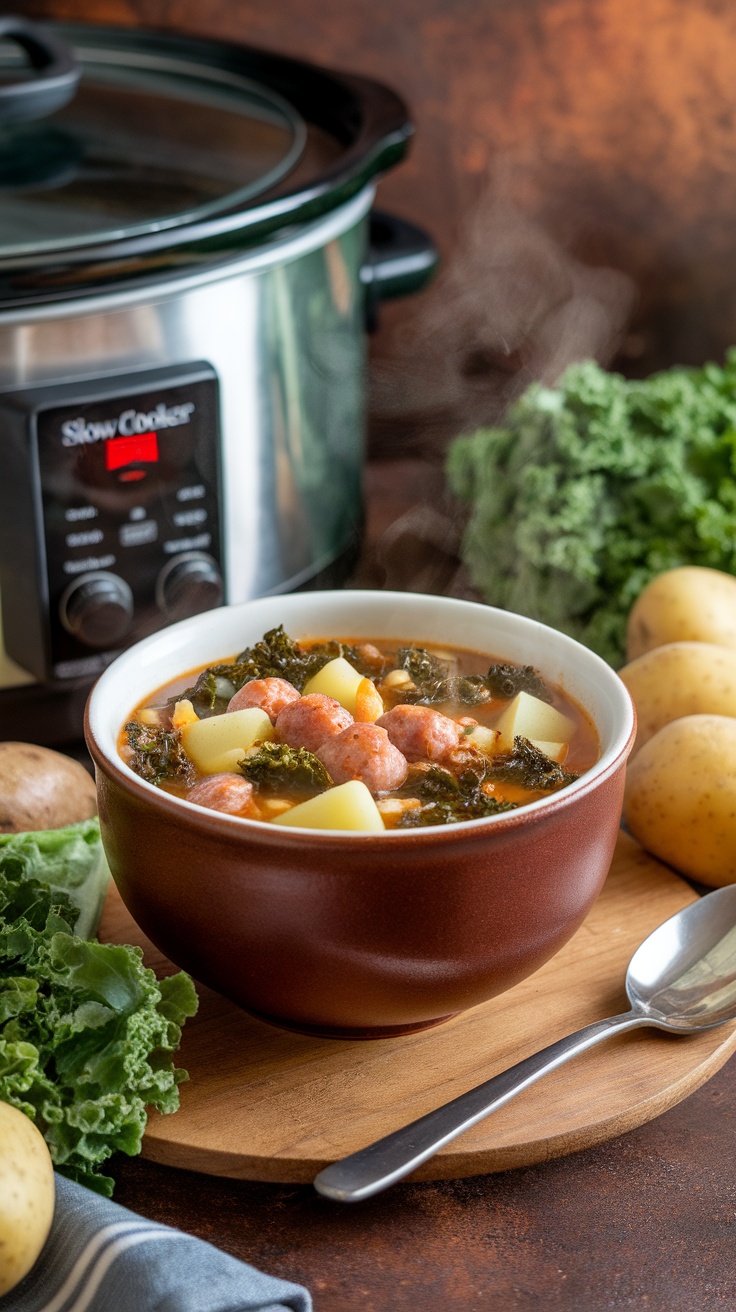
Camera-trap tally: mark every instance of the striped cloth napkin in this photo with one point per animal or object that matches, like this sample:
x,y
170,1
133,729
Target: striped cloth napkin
x,y
100,1257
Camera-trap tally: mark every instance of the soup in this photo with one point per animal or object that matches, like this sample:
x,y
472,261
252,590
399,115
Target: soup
x,y
359,735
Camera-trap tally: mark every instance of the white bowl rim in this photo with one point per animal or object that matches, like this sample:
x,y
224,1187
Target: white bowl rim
x,y
125,665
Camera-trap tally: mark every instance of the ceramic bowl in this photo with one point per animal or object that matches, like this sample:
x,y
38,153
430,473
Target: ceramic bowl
x,y
359,934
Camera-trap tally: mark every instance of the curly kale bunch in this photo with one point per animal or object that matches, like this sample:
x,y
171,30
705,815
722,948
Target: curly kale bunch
x,y
87,1032
592,488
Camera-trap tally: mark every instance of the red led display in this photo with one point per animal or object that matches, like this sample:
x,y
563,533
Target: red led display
x,y
141,448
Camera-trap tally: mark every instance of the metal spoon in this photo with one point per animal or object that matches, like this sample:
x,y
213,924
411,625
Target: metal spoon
x,y
682,979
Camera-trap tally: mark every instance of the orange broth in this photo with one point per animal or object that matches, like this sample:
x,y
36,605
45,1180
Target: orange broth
x,y
583,744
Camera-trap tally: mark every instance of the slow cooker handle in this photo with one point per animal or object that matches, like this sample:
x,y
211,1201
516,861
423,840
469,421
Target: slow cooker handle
x,y
401,260
56,70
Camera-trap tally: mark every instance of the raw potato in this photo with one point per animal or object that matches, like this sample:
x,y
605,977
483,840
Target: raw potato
x,y
689,604
26,1195
210,743
680,798
349,806
529,717
682,678
41,789
338,679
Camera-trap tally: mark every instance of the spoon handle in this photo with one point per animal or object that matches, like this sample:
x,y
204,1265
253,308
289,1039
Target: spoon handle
x,y
382,1163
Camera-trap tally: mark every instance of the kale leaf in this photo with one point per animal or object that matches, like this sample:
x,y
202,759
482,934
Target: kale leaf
x,y
528,766
588,490
277,656
434,683
158,755
86,1031
428,673
211,693
470,689
508,680
447,797
271,767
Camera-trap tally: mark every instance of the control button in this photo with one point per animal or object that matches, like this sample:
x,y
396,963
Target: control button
x,y
97,609
87,538
188,585
192,493
190,518
73,514
136,535
188,545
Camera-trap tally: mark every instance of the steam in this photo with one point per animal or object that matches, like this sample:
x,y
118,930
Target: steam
x,y
511,306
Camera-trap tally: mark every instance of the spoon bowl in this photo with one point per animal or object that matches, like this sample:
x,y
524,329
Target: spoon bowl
x,y
683,976
681,979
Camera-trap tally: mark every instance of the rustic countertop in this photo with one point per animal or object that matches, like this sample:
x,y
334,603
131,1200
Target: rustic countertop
x,y
645,1223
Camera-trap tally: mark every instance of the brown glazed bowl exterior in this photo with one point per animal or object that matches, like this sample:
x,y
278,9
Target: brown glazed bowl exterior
x,y
344,933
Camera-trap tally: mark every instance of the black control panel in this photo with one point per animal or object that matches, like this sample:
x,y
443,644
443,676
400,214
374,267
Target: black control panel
x,y
110,515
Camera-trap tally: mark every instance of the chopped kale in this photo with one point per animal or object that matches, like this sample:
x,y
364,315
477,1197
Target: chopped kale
x,y
279,656
275,656
434,683
470,689
446,813
211,693
449,797
272,767
429,674
508,680
158,754
529,767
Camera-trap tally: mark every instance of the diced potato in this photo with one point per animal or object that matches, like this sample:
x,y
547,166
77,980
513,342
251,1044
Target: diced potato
x,y
150,716
528,717
349,806
338,679
211,743
229,762
485,739
555,751
369,705
184,713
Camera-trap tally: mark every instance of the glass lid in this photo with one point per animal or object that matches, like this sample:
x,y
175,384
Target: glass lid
x,y
149,142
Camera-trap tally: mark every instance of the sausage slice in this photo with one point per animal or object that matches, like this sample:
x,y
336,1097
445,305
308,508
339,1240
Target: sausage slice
x,y
420,733
310,721
364,752
270,695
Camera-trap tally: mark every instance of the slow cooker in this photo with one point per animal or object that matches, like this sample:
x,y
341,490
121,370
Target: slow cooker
x,y
188,264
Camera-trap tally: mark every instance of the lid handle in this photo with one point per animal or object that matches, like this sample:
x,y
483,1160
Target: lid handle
x,y
56,69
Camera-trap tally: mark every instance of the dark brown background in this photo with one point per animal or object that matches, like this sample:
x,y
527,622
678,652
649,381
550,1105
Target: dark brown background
x,y
575,159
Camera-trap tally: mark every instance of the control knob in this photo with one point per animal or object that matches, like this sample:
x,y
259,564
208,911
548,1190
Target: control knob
x,y
97,609
188,585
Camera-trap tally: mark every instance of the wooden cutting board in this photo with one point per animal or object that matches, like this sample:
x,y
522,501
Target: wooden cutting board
x,y
264,1104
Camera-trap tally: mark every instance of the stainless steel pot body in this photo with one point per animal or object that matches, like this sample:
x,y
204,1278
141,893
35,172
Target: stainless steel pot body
x,y
283,327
